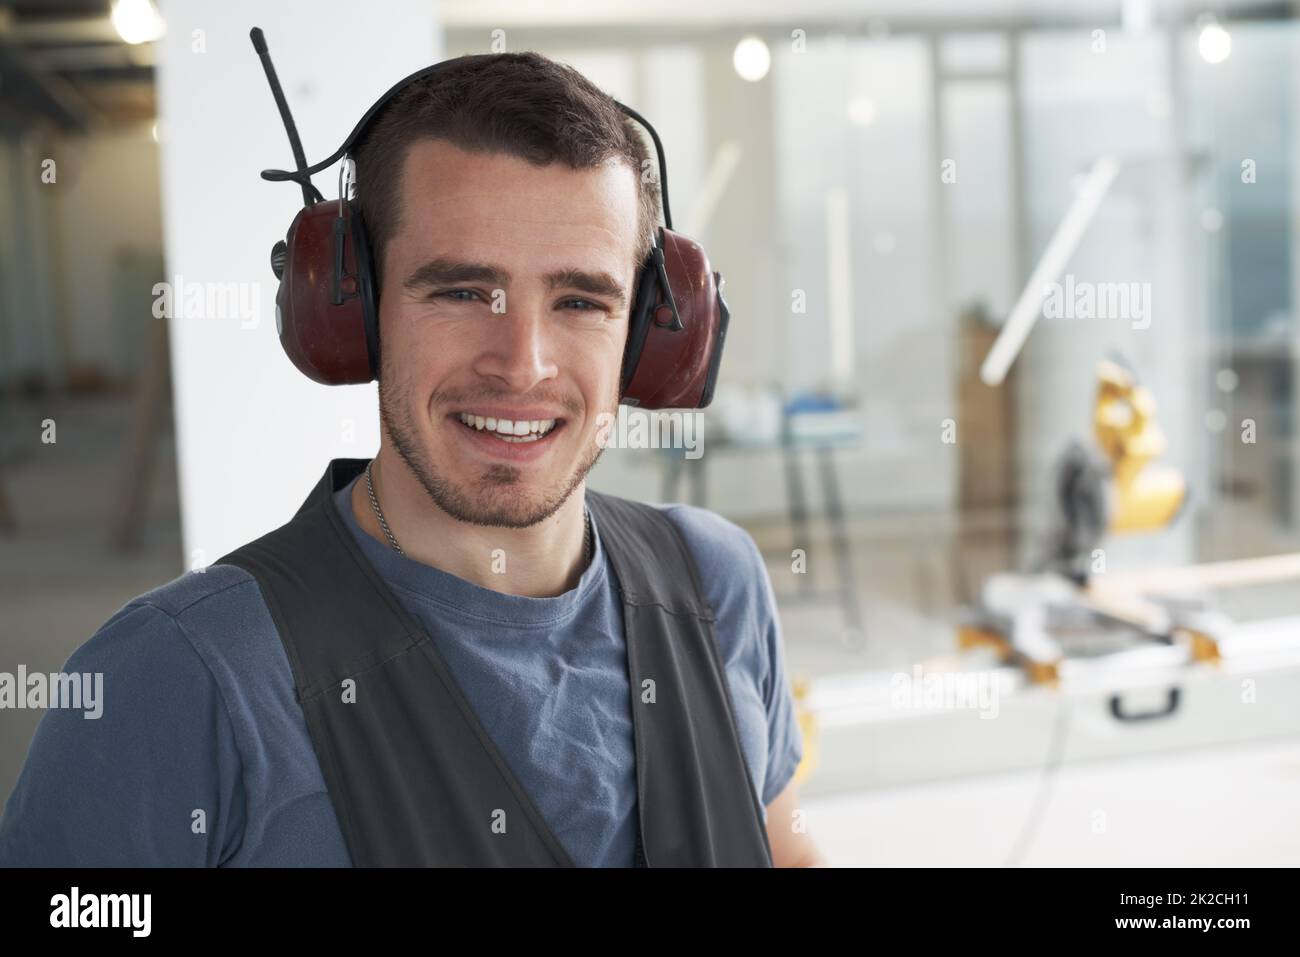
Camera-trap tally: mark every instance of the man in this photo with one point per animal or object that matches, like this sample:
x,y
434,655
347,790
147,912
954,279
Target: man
x,y
503,178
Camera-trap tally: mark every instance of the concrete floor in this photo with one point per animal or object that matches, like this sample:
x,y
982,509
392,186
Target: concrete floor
x,y
1213,807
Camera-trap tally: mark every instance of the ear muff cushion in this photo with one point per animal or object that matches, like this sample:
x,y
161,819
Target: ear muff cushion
x,y
639,320
715,360
364,264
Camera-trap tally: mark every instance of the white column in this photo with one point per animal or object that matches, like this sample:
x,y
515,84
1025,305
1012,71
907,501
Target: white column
x,y
253,434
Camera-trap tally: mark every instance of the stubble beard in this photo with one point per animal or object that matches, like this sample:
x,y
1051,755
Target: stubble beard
x,y
495,498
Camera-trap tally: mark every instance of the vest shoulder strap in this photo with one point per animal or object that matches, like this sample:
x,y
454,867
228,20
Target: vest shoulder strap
x,y
654,564
684,715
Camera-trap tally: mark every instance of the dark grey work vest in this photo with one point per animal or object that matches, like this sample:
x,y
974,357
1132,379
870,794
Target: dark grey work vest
x,y
414,778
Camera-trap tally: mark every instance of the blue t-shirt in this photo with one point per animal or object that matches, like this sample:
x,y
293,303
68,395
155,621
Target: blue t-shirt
x,y
201,756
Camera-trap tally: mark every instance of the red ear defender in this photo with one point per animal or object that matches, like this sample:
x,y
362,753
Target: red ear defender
x,y
325,309
674,341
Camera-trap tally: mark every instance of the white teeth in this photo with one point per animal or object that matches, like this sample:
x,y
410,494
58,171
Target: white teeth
x,y
523,430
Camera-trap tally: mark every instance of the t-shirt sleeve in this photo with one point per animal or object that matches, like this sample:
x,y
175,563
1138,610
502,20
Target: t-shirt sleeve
x,y
153,781
785,742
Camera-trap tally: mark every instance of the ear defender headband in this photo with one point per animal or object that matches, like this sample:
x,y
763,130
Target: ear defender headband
x,y
327,306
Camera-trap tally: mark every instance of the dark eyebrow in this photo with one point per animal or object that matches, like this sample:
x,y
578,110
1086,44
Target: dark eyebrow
x,y
439,272
594,283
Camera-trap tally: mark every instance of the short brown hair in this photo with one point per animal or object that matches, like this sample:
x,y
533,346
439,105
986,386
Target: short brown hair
x,y
523,104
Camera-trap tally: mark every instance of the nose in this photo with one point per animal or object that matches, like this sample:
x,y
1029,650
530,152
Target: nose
x,y
519,349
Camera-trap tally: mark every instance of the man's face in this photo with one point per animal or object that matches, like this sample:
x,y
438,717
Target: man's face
x,y
505,299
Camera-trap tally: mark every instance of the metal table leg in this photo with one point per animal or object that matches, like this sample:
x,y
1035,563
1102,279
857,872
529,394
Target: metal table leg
x,y
798,509
839,537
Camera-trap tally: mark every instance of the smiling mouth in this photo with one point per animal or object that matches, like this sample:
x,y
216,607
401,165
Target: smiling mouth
x,y
509,430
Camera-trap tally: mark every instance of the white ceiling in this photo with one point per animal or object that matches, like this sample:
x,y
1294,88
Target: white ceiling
x,y
557,13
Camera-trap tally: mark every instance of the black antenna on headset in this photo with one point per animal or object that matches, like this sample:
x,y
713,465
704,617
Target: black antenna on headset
x,y
310,194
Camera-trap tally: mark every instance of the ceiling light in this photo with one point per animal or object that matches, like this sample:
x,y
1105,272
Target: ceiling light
x,y
1214,43
137,21
751,59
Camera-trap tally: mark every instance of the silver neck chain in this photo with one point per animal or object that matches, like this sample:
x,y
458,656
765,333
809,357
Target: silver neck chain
x,y
379,512
388,532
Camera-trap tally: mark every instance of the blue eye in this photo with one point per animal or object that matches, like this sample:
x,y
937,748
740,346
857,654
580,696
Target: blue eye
x,y
591,305
452,293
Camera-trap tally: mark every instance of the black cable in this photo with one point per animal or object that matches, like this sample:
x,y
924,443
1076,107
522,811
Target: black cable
x,y
1055,754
